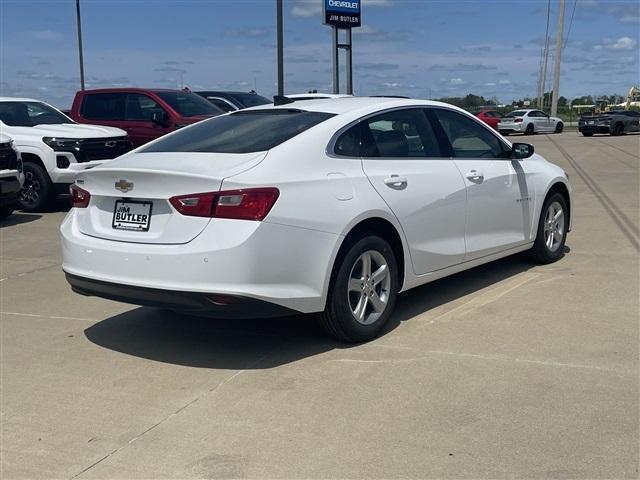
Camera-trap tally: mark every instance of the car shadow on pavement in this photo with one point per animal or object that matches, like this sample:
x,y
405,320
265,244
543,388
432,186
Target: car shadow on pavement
x,y
179,339
17,218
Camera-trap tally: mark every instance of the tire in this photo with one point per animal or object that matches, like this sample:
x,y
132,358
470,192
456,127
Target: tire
x,y
6,211
559,127
618,130
349,289
530,130
545,250
587,134
37,191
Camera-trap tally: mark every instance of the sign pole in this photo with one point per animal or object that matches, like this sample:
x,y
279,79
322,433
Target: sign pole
x,y
336,73
349,63
80,45
280,47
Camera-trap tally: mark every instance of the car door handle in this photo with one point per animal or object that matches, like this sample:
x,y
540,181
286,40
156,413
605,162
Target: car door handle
x,y
396,181
475,176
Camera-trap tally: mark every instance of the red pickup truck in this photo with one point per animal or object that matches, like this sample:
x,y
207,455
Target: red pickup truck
x,y
144,113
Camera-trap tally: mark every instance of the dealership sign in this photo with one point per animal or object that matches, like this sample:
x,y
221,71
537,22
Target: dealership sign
x,y
342,13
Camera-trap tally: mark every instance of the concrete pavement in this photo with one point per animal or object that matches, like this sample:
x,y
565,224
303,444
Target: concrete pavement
x,y
507,370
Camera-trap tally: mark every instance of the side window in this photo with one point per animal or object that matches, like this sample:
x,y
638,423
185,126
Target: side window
x,y
140,107
348,144
399,133
221,104
103,106
468,138
533,114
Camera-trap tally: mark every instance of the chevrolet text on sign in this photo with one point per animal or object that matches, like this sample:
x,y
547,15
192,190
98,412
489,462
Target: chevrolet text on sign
x,y
342,13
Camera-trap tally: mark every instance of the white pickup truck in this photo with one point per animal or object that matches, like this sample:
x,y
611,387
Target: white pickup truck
x,y
54,148
11,176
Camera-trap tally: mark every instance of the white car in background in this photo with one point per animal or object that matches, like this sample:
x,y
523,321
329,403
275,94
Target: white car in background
x,y
331,206
529,122
11,176
54,148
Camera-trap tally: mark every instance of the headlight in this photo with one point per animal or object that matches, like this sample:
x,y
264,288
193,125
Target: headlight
x,y
61,143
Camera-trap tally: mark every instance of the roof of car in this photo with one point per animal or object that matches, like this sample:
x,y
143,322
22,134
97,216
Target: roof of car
x,y
134,89
18,99
348,104
224,92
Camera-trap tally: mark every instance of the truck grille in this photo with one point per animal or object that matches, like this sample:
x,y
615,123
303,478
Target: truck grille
x,y
8,157
101,148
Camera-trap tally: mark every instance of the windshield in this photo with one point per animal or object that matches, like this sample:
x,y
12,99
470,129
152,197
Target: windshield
x,y
189,104
29,114
250,99
517,113
240,132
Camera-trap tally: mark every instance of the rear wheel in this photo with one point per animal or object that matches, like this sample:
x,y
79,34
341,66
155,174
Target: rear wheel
x,y
37,190
363,291
618,129
559,127
530,130
552,230
587,134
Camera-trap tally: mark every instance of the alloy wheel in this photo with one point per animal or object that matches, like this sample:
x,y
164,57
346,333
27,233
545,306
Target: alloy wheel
x,y
368,287
30,193
554,226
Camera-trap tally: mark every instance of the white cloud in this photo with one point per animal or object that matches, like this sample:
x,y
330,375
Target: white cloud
x,y
630,18
623,43
490,84
456,81
504,82
391,84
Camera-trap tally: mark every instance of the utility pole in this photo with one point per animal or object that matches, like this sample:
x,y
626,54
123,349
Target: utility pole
x,y
558,57
335,60
280,47
545,58
80,44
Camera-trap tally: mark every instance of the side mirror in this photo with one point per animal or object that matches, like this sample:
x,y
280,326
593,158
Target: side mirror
x,y
520,151
161,118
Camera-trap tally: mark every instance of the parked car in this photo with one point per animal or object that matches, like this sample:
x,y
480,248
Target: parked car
x,y
490,117
145,114
232,101
529,122
54,148
323,206
616,122
11,176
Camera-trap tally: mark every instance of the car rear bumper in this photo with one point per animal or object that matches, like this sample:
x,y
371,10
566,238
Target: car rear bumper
x,y
511,127
218,306
283,265
594,129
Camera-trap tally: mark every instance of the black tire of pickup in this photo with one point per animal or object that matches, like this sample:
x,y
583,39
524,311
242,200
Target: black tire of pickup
x,y
37,192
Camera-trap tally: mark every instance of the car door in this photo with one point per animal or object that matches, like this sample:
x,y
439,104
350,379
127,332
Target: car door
x,y
104,108
404,162
499,194
138,119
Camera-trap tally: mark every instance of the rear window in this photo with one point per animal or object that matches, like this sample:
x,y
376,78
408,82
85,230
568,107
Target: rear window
x,y
189,104
241,132
517,113
250,99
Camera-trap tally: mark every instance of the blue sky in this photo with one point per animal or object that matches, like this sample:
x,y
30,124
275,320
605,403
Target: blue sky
x,y
421,48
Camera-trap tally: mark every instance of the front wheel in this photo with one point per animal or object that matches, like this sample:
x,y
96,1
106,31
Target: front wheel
x,y
552,230
37,190
363,291
559,127
530,130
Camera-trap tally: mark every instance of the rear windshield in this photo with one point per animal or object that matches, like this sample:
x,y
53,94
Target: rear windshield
x,y
250,99
241,132
189,104
517,113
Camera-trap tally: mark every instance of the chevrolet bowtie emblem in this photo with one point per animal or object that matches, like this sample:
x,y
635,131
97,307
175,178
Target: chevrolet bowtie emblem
x,y
110,143
124,186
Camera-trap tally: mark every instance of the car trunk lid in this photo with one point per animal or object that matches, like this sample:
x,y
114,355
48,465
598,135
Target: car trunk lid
x,y
130,196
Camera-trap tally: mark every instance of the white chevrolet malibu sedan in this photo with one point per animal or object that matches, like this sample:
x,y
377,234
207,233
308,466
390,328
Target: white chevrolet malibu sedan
x,y
332,206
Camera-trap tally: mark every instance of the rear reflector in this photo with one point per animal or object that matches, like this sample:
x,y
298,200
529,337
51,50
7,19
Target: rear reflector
x,y
79,197
518,120
245,204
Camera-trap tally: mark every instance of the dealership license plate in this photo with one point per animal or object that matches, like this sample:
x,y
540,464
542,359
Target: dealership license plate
x,y
132,215
590,123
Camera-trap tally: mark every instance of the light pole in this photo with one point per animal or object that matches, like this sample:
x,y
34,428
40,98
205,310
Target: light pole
x,y
558,56
280,47
80,44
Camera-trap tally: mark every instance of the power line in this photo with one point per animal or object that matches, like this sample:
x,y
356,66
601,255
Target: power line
x,y
566,40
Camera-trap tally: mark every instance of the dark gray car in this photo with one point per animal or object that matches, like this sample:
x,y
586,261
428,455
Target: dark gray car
x,y
613,123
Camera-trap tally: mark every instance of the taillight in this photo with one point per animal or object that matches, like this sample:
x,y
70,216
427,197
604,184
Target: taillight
x,y
245,204
196,204
518,120
79,197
